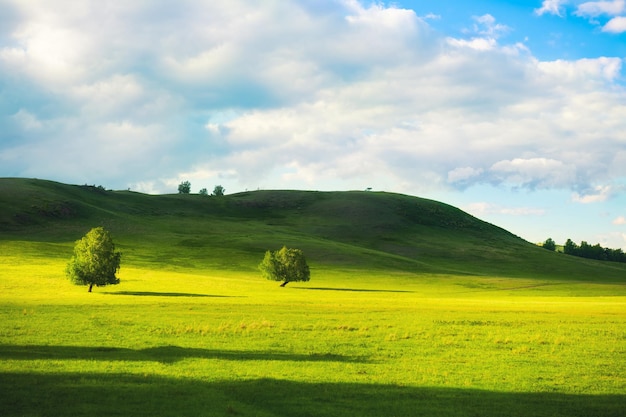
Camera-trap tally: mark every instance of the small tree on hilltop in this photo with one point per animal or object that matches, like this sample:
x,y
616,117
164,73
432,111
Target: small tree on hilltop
x,y
286,265
184,187
95,261
219,191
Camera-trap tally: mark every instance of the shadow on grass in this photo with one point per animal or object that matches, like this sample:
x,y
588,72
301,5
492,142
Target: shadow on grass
x,y
163,354
486,287
160,294
89,394
349,289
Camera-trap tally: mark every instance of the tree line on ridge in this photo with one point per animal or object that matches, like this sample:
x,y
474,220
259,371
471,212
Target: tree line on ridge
x,y
586,250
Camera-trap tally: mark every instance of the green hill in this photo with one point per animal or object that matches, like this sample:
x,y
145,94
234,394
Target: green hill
x,y
350,230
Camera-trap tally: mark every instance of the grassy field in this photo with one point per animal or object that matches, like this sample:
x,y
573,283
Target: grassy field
x,y
218,343
193,329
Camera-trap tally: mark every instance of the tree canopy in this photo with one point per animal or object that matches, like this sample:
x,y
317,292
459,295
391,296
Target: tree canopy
x,y
218,191
549,244
184,187
95,261
586,250
286,265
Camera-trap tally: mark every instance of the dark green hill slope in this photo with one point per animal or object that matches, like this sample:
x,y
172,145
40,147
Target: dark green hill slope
x,y
366,230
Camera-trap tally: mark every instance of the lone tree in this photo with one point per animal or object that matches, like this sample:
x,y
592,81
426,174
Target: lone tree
x,y
95,261
287,265
184,187
218,191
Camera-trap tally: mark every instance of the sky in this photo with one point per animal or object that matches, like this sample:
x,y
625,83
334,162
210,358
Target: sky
x,y
514,111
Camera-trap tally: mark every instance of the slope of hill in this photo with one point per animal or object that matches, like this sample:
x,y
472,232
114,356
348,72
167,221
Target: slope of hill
x,y
368,230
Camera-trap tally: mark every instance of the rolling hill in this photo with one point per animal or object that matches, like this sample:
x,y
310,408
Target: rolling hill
x,y
349,230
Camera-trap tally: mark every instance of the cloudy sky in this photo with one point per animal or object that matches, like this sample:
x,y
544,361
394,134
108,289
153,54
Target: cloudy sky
x,y
513,111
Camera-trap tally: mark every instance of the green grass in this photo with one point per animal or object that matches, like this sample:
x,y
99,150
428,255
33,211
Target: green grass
x,y
192,329
213,342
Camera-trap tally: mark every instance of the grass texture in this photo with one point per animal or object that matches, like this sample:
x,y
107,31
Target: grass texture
x,y
212,343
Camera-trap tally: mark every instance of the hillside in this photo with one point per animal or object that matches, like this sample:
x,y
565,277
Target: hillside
x,y
353,230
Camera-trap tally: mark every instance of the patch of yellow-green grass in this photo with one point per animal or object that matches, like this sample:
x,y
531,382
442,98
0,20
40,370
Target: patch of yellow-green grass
x,y
212,342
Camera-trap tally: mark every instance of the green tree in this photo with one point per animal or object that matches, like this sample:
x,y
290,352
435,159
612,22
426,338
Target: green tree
x,y
570,248
95,261
286,265
203,191
184,187
219,191
549,244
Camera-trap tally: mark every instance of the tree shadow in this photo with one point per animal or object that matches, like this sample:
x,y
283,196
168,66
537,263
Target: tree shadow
x,y
163,354
160,294
88,394
350,289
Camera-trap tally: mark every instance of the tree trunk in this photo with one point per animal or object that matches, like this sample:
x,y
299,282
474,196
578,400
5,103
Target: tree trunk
x,y
284,283
90,287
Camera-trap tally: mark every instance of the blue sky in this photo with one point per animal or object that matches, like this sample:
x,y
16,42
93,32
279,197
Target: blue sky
x,y
513,111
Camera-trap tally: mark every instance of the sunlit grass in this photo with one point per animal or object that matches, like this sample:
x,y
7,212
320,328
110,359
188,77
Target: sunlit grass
x,y
406,336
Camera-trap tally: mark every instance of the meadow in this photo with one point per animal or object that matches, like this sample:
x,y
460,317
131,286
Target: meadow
x,y
169,342
451,317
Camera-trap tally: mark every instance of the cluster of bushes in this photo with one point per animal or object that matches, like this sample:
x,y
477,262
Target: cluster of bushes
x,y
98,188
585,250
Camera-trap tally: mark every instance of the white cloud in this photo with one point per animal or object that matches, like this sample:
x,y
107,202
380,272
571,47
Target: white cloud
x,y
551,7
614,9
119,97
463,174
621,220
592,10
380,18
597,8
299,91
479,44
486,25
432,16
213,127
486,33
534,172
597,194
27,120
615,25
583,69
